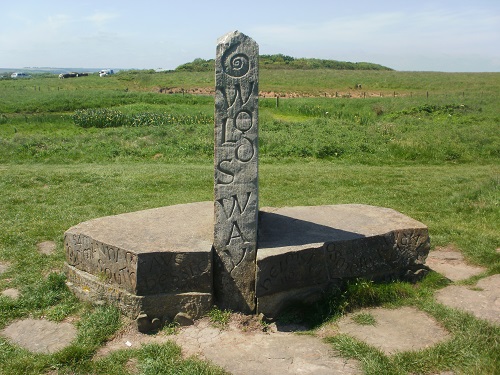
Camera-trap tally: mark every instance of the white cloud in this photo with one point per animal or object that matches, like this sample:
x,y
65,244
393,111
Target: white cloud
x,y
101,18
56,22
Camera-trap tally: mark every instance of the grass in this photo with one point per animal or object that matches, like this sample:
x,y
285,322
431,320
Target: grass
x,y
219,318
433,158
364,319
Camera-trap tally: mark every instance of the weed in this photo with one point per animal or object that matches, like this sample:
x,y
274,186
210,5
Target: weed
x,y
172,328
219,318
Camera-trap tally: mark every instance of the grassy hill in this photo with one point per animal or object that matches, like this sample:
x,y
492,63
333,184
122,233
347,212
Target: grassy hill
x,y
280,61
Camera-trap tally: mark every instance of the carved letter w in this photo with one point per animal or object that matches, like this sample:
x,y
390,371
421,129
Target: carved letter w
x,y
234,203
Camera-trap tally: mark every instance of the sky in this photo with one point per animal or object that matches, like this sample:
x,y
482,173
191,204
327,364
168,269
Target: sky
x,y
423,35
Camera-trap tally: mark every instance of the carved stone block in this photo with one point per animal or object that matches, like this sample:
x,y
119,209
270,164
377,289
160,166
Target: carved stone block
x,y
303,249
141,257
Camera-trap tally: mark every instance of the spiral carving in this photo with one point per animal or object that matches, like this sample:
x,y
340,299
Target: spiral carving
x,y
236,65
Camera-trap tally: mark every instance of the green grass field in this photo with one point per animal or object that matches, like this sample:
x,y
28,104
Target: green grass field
x,y
425,144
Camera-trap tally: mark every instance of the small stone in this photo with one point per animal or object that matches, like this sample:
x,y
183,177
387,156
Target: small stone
x,y
143,323
183,319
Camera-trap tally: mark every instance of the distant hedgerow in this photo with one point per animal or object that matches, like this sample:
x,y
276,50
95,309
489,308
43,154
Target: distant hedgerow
x,y
108,118
100,118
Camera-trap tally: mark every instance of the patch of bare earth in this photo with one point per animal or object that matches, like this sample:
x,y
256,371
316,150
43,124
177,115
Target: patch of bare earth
x,y
352,93
47,247
11,293
4,267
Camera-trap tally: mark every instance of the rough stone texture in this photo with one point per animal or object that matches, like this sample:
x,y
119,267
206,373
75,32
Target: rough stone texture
x,y
47,247
451,264
310,248
396,330
183,319
11,293
236,171
483,301
163,306
155,261
40,336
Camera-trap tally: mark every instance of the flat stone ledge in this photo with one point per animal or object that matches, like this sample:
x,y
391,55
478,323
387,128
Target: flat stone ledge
x,y
164,257
162,250
40,336
315,247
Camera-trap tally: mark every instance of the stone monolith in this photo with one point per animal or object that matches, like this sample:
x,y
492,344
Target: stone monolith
x,y
236,171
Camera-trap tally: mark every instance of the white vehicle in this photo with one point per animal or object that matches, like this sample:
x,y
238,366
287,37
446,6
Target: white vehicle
x,y
105,72
19,75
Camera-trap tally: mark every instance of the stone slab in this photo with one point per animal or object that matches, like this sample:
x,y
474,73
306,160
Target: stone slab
x,y
451,264
310,247
40,336
302,252
161,306
161,250
483,301
395,330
